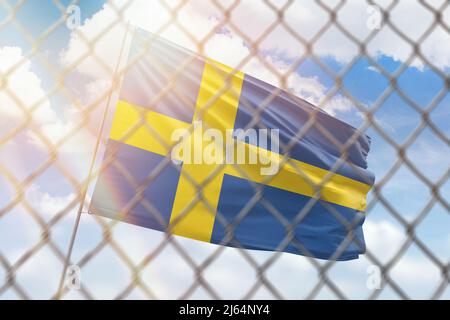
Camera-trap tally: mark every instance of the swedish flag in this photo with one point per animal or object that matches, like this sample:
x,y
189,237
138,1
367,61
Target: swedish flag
x,y
314,205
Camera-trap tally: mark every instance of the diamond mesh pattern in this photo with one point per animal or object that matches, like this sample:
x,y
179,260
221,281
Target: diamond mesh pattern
x,y
102,242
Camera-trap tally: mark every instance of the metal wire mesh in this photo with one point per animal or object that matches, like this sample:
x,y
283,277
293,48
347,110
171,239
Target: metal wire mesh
x,y
101,236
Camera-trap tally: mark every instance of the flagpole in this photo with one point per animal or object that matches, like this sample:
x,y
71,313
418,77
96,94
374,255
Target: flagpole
x,y
91,167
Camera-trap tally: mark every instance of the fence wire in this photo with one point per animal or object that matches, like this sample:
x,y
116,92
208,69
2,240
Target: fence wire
x,y
106,229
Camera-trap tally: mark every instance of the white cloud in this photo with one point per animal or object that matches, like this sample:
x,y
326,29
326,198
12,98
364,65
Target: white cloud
x,y
46,204
34,273
22,90
79,131
373,69
307,17
383,238
199,19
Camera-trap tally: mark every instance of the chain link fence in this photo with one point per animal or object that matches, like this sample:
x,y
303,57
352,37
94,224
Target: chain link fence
x,y
102,259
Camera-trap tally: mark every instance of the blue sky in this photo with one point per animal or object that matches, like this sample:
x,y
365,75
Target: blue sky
x,y
405,192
